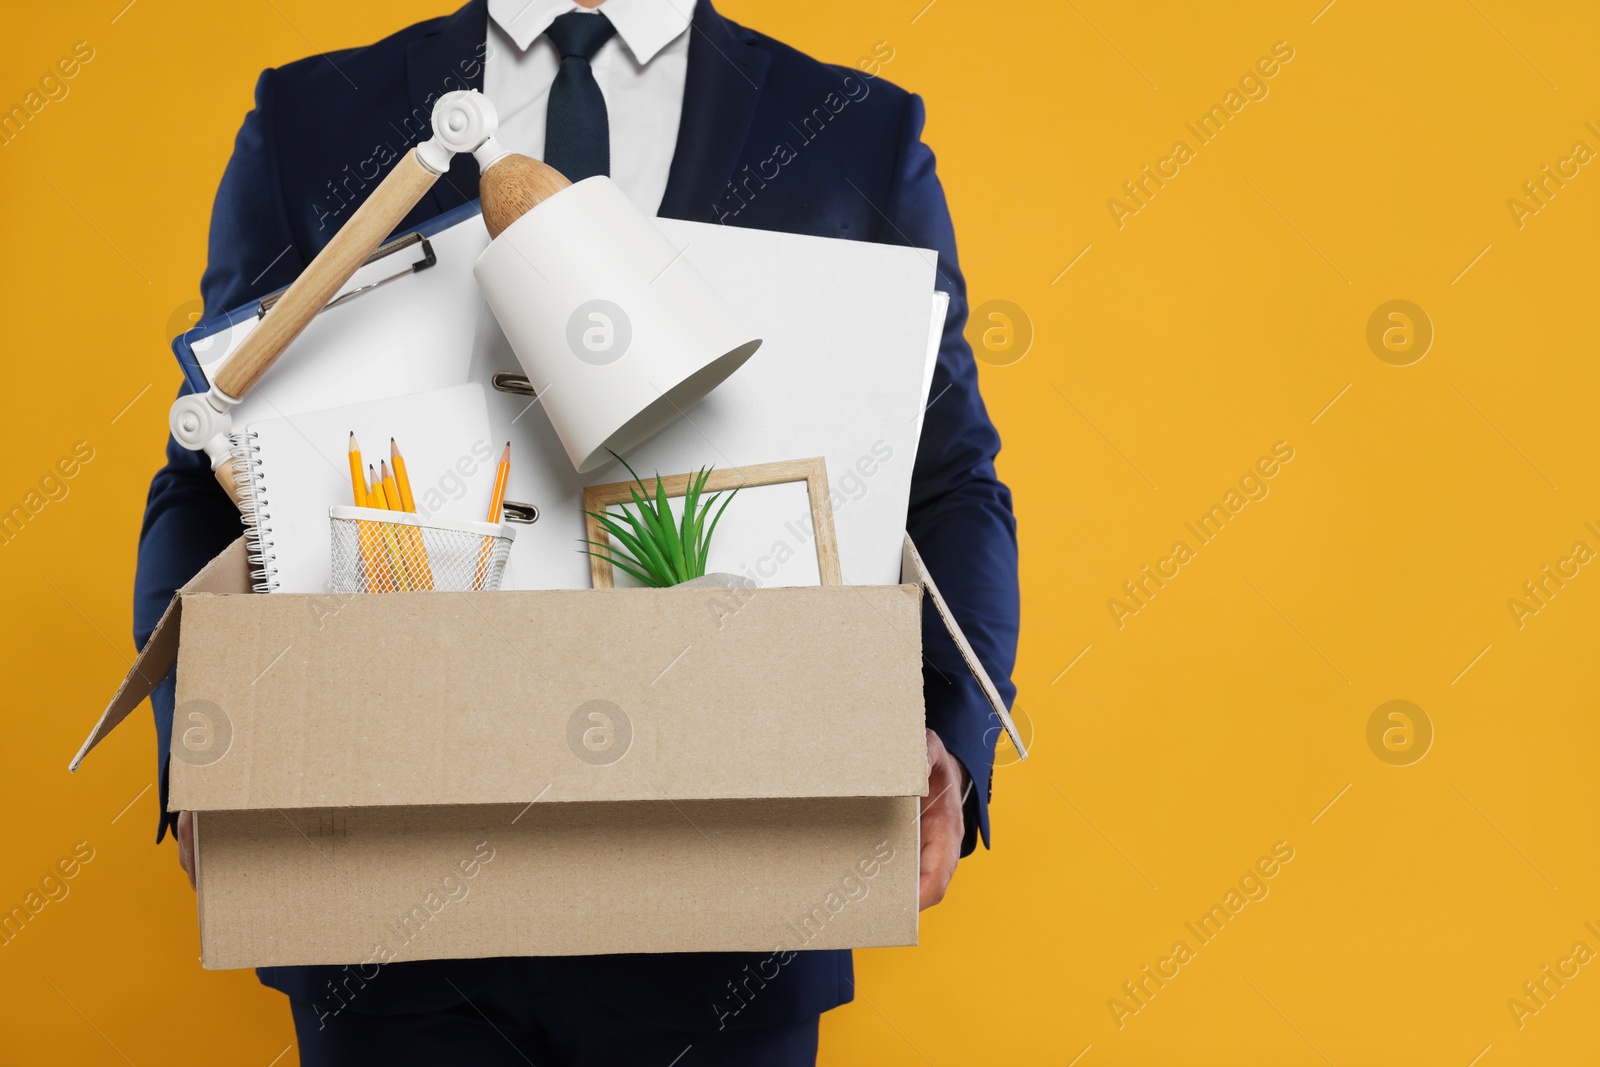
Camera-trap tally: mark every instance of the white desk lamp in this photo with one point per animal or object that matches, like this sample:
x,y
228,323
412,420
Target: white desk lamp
x,y
616,332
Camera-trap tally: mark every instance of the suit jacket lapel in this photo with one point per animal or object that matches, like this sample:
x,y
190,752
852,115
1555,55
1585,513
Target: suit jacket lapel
x,y
450,58
725,76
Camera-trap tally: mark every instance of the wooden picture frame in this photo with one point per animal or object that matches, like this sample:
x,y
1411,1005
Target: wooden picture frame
x,y
814,472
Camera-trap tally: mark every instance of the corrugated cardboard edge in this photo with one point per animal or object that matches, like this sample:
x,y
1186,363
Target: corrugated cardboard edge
x,y
911,565
228,572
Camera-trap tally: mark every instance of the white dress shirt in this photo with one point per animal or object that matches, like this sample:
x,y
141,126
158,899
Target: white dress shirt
x,y
640,71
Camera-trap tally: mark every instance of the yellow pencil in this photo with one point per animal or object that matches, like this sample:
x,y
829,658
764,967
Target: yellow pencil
x,y
411,537
391,571
376,498
358,486
498,500
496,505
371,548
391,492
364,531
383,578
402,480
399,536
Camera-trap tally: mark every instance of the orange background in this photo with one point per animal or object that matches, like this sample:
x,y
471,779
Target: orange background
x,y
1231,712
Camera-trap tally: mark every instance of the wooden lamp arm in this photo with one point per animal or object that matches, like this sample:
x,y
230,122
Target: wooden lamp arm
x,y
373,221
463,121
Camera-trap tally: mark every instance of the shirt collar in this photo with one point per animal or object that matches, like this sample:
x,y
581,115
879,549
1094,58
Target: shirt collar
x,y
645,26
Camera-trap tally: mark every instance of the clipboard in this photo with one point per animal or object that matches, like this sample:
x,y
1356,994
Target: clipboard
x,y
433,317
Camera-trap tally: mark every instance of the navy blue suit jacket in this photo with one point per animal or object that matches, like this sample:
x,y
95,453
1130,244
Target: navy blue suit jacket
x,y
769,138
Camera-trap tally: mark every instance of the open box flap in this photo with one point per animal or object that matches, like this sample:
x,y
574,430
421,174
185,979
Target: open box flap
x,y
912,569
228,572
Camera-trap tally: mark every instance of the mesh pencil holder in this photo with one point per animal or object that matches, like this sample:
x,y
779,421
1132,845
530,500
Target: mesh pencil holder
x,y
377,551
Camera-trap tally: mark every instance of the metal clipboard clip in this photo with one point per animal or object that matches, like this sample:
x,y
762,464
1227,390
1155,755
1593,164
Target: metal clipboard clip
x,y
516,511
518,384
398,244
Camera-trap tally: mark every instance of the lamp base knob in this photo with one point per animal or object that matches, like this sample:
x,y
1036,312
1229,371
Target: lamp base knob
x,y
513,186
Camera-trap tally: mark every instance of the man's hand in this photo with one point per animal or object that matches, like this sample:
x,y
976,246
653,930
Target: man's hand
x,y
186,844
942,823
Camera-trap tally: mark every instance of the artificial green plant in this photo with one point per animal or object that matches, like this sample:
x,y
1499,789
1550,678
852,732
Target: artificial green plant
x,y
654,547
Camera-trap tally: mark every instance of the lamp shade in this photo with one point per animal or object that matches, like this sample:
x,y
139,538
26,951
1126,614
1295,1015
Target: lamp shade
x,y
616,331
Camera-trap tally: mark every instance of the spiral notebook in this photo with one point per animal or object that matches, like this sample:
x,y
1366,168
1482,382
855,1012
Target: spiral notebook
x,y
292,469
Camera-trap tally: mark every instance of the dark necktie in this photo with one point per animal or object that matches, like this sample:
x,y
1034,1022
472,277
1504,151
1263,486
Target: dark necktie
x,y
577,138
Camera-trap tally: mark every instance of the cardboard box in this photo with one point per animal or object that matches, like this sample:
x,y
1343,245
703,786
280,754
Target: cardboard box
x,y
452,775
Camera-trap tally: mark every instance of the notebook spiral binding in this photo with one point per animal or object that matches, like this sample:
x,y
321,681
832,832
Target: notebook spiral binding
x,y
253,509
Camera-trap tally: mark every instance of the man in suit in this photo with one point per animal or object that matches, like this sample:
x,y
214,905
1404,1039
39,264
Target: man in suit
x,y
696,118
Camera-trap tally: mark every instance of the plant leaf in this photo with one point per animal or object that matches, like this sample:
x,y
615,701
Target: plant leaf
x,y
702,536
628,541
657,513
656,547
635,474
686,537
696,545
716,519
675,547
650,518
640,544
648,524
634,554
622,566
